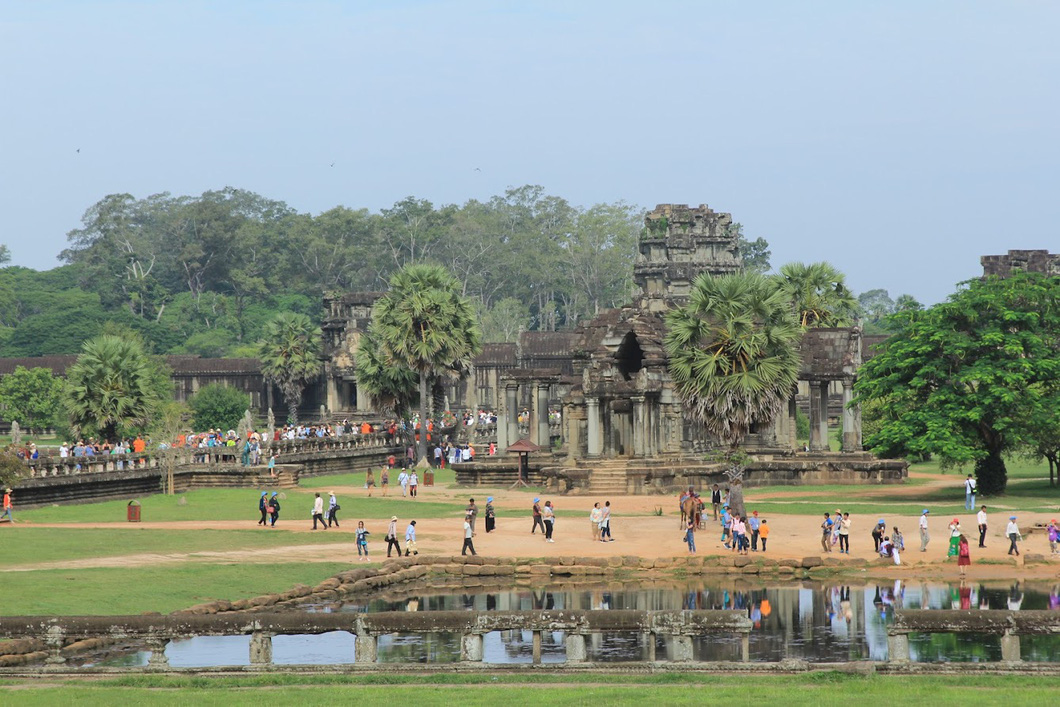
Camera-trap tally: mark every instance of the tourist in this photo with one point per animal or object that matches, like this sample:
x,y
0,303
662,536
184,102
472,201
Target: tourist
x,y
468,533
605,523
594,518
1054,537
318,512
726,523
8,507
739,535
715,500
964,556
369,481
391,537
877,533
414,482
837,522
491,515
403,480
333,509
826,533
384,478
274,509
753,526
410,539
980,518
969,493
548,519
263,506
897,539
844,534
471,512
690,536
1012,531
925,538
763,533
955,537
362,541
537,517
272,465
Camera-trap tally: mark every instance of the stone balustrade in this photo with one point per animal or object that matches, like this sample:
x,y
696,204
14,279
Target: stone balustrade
x,y
62,636
1009,625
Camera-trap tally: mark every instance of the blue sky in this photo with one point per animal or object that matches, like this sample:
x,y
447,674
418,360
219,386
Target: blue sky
x,y
898,140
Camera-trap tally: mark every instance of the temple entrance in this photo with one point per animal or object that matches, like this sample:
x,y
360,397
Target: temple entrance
x,y
621,428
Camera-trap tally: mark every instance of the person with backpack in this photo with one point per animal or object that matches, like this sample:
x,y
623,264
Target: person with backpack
x,y
263,506
391,537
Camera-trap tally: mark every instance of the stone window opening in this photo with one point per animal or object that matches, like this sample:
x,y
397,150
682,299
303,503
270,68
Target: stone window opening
x,y
630,356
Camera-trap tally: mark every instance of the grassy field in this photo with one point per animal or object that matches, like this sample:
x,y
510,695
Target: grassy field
x,y
157,588
555,689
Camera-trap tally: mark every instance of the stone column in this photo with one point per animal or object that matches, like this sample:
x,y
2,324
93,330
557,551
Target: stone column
x,y
851,441
511,411
536,647
54,640
541,415
1010,648
332,392
639,427
592,432
471,648
818,416
745,647
158,660
503,441
793,424
260,648
897,648
365,648
681,649
575,645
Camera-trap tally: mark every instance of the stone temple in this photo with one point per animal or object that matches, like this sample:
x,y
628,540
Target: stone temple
x,y
622,425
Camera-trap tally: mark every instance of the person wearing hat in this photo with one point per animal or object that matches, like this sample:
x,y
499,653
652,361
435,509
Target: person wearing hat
x,y
391,537
878,532
537,517
925,538
333,509
1013,532
491,515
274,509
263,506
8,508
410,539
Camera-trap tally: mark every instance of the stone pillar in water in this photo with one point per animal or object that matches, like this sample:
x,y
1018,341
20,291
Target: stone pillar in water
x,y
158,660
471,648
365,648
575,645
897,648
681,649
1010,648
261,648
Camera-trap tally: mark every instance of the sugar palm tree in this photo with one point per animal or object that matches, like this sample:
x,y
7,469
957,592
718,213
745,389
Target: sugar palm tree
x,y
818,294
290,356
733,353
392,389
115,387
423,324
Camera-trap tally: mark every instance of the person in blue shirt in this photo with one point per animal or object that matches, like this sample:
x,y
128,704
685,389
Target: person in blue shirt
x,y
726,521
752,525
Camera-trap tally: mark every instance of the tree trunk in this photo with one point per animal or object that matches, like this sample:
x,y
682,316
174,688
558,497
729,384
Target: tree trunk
x,y
991,474
421,445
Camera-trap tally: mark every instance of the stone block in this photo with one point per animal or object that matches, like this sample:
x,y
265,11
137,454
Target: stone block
x,y
661,563
809,562
786,570
751,569
1029,557
741,561
561,570
454,569
630,561
614,562
508,570
789,562
540,569
568,561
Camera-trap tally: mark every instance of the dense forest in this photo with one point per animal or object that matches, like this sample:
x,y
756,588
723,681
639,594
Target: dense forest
x,y
202,275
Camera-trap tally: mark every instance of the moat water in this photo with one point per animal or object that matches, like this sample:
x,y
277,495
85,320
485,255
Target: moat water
x,y
817,622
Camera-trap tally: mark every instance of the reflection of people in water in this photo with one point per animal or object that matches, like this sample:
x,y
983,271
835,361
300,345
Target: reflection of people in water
x,y
1054,598
469,602
984,600
844,604
491,602
1015,597
965,593
550,601
413,605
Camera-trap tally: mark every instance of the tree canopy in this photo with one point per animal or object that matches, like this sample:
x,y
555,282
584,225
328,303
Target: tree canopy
x,y
31,396
733,351
971,379
818,294
289,350
218,406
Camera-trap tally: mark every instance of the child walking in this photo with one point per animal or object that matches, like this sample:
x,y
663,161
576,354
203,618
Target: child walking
x,y
362,542
763,534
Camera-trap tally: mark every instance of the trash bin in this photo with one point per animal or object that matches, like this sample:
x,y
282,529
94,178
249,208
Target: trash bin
x,y
133,511
428,478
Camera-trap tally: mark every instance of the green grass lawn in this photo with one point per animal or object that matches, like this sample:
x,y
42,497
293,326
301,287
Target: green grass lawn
x,y
497,687
27,545
160,588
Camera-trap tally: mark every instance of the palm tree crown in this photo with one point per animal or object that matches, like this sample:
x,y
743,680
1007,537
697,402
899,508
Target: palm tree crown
x,y
733,352
818,294
290,356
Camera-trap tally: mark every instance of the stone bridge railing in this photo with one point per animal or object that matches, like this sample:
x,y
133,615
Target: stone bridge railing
x,y
61,636
1010,625
289,450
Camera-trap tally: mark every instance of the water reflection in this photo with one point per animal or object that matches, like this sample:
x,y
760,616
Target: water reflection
x,y
816,622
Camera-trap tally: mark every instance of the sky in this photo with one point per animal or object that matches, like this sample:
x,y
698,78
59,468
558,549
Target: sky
x,y
899,141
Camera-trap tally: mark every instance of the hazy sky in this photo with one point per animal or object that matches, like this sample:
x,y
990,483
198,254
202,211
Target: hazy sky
x,y
898,140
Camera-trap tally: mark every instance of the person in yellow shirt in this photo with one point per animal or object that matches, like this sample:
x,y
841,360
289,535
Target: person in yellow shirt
x,y
763,533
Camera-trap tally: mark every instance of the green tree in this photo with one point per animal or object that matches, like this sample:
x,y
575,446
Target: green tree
x,y
115,388
818,294
754,254
290,356
217,405
875,304
733,351
32,396
961,379
425,325
392,389
504,320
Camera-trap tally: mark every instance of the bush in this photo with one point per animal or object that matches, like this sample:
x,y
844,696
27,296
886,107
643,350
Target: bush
x,y
218,405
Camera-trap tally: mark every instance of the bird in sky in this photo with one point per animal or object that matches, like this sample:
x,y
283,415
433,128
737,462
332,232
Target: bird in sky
x,y
79,150
477,169
332,164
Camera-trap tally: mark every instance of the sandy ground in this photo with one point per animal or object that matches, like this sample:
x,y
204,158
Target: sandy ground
x,y
636,529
